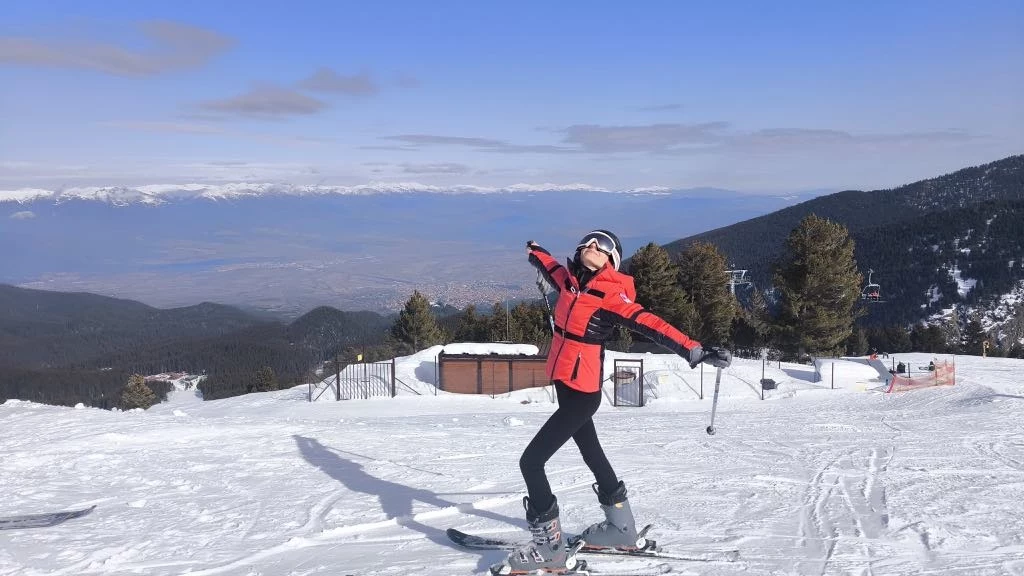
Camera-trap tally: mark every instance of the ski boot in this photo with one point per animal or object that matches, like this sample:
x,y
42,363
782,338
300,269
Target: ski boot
x,y
618,529
546,552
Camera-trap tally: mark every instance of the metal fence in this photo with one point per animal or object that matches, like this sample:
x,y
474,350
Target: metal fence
x,y
355,381
628,377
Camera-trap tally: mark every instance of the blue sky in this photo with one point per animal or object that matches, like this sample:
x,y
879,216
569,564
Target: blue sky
x,y
751,96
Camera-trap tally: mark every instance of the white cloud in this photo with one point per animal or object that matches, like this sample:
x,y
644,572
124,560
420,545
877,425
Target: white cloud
x,y
692,138
481,144
23,215
327,80
177,46
266,100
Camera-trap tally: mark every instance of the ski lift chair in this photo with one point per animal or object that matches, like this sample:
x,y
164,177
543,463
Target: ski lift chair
x,y
872,292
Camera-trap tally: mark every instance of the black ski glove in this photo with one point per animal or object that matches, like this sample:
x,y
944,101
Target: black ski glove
x,y
532,246
713,355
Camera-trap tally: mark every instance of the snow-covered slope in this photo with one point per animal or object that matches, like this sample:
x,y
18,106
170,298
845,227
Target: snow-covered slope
x,y
808,481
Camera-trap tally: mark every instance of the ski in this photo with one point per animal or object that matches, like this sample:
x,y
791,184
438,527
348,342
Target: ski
x,y
651,571
483,543
42,520
650,550
584,569
709,557
474,542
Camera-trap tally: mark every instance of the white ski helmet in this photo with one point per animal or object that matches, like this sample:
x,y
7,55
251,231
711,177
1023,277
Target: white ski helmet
x,y
606,242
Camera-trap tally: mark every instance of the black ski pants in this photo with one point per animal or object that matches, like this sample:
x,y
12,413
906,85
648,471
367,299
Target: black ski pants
x,y
573,419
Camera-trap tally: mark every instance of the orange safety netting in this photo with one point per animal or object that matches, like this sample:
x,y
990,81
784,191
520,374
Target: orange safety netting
x,y
944,374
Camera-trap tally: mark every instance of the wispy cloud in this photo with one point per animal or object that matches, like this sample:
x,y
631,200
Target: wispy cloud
x,y
788,139
240,170
23,215
407,81
266,101
419,168
678,139
165,126
481,144
389,148
434,168
437,168
648,138
208,129
659,108
718,136
25,171
177,46
327,80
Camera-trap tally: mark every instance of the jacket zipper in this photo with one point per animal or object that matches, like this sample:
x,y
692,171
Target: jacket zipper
x,y
575,297
576,366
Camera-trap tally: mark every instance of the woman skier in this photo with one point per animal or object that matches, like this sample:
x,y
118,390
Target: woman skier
x,y
593,297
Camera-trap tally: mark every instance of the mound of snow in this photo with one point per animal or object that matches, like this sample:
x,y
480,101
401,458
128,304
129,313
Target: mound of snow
x,y
852,374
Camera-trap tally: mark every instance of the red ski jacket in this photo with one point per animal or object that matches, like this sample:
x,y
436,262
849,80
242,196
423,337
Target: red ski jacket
x,y
585,317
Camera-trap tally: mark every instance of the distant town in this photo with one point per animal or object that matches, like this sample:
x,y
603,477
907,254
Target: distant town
x,y
455,295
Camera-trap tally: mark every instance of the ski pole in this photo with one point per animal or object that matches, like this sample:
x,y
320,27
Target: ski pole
x,y
544,296
714,402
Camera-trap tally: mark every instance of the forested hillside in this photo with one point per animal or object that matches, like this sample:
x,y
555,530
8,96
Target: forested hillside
x,y
917,238
39,328
65,348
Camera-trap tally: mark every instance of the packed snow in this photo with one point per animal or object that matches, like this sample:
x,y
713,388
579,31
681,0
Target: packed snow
x,y
825,475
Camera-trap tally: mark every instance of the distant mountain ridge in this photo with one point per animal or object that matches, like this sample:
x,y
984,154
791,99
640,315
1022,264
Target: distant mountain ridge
x,y
920,239
64,348
157,194
40,328
290,253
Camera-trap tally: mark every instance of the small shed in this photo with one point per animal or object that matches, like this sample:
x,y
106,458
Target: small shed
x,y
490,374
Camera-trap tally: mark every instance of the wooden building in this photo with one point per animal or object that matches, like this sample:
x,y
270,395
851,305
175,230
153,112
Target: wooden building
x,y
491,374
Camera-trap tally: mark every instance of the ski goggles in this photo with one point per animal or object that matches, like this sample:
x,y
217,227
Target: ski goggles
x,y
604,243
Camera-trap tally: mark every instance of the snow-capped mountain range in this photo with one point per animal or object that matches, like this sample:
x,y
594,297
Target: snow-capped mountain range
x,y
162,193
290,248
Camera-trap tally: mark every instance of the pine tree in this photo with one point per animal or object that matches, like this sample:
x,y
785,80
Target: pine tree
x,y
929,339
416,327
530,323
759,318
899,339
622,341
471,326
265,380
499,325
1016,351
524,323
819,286
974,336
857,343
751,330
136,394
656,279
702,276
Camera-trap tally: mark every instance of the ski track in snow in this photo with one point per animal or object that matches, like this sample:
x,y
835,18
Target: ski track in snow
x,y
810,481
